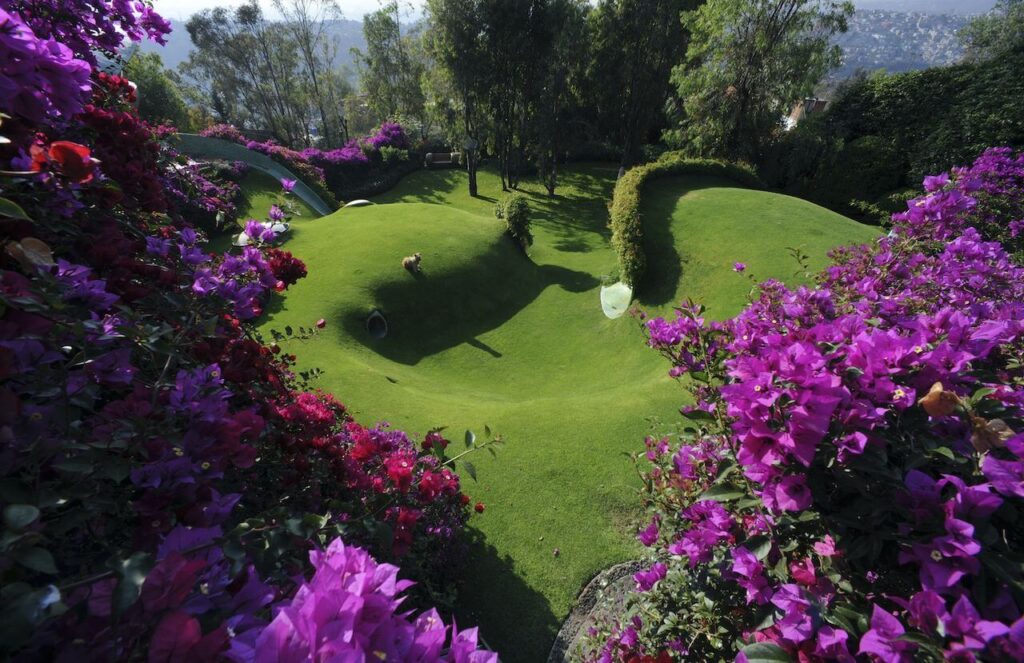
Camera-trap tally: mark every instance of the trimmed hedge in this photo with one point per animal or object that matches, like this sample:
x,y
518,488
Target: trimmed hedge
x,y
515,212
626,222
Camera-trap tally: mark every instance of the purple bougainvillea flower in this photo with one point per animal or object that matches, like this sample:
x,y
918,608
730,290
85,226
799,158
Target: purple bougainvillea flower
x,y
792,494
965,624
934,183
649,535
738,267
287,184
749,574
645,580
882,640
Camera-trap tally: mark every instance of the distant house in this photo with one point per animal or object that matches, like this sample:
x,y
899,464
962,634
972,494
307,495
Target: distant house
x,y
802,109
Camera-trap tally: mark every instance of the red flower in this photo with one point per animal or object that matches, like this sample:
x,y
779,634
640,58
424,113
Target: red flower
x,y
399,468
73,160
479,508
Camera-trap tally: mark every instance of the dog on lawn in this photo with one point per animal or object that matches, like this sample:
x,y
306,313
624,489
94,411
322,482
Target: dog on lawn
x,y
412,263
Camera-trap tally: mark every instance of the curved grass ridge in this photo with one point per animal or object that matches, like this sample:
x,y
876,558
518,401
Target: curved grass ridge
x,y
626,222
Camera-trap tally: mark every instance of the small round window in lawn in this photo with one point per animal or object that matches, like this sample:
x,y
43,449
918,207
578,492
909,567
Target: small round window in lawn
x,y
376,324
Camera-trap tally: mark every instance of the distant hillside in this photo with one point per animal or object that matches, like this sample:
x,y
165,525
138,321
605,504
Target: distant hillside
x,y
899,41
349,34
956,7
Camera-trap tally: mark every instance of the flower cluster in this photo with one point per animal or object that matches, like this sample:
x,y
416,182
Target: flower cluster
x,y
850,486
337,167
350,607
40,79
87,27
389,134
139,408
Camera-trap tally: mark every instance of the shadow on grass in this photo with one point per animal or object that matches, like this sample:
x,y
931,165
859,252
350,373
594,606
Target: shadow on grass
x,y
438,311
514,619
421,187
665,265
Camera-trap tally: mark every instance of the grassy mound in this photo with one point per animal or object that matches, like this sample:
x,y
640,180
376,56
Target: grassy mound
x,y
698,226
487,335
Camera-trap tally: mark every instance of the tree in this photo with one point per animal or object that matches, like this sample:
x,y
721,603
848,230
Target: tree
x,y
997,32
557,101
455,42
246,69
747,62
636,43
160,99
517,40
391,70
306,21
274,75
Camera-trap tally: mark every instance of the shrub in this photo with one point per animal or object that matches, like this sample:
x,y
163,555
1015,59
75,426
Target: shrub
x,y
626,223
851,479
392,156
922,120
515,212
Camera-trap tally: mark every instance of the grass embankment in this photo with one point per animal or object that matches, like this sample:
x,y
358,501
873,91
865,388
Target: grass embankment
x,y
486,335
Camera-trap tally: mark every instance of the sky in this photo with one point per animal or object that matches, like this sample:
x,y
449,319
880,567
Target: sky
x,y
182,9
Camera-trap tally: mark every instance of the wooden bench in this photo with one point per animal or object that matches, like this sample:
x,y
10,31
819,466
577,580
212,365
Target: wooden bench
x,y
442,159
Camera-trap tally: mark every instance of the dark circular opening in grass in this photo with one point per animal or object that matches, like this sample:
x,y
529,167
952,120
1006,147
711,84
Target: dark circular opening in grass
x,y
376,324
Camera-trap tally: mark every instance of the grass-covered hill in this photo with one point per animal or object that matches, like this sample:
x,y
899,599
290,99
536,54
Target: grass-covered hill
x,y
486,335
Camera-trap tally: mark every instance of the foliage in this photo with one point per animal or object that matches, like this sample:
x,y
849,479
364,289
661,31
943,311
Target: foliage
x,y
391,70
307,23
747,62
455,43
969,106
626,223
160,98
634,45
836,173
996,33
39,78
273,75
300,163
558,101
851,479
515,212
140,408
343,170
392,156
87,28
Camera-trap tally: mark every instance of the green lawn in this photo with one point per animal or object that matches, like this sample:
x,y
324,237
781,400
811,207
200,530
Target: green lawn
x,y
489,336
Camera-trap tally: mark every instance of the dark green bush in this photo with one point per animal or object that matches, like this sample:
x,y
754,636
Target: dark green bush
x,y
515,212
887,131
626,224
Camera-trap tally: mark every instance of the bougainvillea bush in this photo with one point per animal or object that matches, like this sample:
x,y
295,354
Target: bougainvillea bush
x,y
851,482
170,488
338,169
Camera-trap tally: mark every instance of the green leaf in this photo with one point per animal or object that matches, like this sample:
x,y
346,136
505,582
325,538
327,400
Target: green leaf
x,y
11,209
760,546
765,652
725,469
20,516
131,573
722,493
470,438
470,470
699,415
37,559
